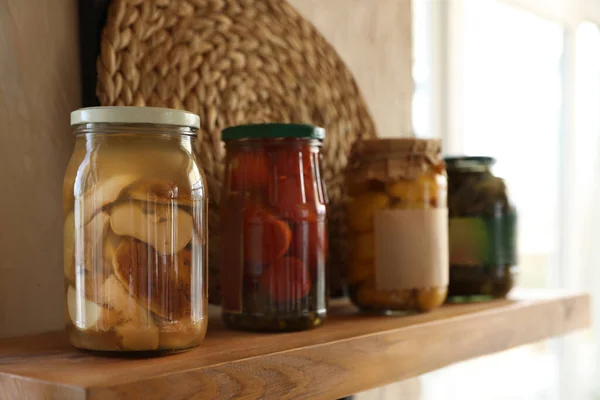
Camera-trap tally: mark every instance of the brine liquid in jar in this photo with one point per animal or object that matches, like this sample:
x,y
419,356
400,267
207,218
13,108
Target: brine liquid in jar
x,y
273,228
135,231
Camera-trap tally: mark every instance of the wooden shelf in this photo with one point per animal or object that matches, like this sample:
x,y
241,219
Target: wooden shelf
x,y
349,354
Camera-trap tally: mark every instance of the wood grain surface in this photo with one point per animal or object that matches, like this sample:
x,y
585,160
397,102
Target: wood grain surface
x,y
39,87
351,353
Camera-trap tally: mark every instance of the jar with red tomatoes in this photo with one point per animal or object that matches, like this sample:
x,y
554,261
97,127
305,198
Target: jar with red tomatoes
x,y
273,243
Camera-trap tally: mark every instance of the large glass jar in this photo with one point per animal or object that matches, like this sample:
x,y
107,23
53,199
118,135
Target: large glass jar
x,y
397,218
482,230
273,228
135,231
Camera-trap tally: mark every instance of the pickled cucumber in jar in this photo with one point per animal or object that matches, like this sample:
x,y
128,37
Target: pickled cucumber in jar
x,y
482,231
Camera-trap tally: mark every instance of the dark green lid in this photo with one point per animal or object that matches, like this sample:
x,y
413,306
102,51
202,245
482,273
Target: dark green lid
x,y
467,161
273,131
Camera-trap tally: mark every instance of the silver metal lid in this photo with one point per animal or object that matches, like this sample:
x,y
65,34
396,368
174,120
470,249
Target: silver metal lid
x,y
135,115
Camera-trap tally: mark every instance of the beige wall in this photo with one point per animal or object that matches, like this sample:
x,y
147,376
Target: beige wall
x,y
374,38
39,86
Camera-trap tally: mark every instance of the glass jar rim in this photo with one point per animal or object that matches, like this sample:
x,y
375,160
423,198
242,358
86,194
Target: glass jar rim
x,y
135,115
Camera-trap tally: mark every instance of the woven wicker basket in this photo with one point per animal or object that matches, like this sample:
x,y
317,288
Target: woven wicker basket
x,y
235,62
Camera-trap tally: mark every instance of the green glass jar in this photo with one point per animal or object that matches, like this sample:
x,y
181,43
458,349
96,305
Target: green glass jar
x,y
482,231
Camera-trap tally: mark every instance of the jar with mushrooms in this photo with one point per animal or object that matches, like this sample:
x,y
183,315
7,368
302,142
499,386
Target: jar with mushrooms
x,y
135,205
482,228
273,228
397,218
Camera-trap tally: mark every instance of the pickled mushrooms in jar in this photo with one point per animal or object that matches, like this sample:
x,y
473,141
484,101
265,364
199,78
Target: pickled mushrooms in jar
x,y
135,231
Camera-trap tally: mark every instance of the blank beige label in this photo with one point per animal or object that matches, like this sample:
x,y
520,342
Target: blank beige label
x,y
411,249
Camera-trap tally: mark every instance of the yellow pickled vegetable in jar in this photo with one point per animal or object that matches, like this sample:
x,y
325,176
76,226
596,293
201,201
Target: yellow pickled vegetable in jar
x,y
397,217
362,209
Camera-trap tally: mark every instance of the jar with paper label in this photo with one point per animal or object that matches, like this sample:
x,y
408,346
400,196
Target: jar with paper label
x,y
135,231
482,230
397,218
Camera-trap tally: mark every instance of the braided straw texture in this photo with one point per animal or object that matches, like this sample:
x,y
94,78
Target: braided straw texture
x,y
235,62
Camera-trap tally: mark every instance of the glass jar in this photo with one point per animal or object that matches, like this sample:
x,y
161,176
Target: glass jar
x,y
135,205
273,228
397,218
482,229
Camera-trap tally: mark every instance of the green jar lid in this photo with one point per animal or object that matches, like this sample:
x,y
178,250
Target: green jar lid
x,y
273,131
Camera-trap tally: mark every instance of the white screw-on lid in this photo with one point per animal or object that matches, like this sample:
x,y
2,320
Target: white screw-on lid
x,y
134,115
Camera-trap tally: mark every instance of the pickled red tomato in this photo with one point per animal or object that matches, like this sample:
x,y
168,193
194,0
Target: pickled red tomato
x,y
279,242
291,163
249,170
293,189
286,280
266,238
293,195
309,241
293,198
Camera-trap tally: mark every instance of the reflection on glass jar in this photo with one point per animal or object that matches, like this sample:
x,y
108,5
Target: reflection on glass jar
x,y
135,206
273,228
482,230
397,218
